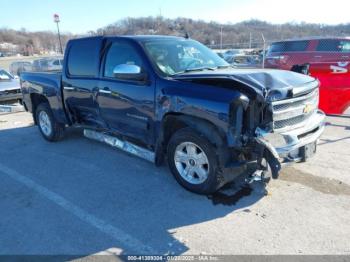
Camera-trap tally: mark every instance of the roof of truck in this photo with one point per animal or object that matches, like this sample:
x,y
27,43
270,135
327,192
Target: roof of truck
x,y
140,38
150,37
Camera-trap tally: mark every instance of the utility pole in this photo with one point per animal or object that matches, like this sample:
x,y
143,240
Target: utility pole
x,y
264,50
56,19
250,40
221,32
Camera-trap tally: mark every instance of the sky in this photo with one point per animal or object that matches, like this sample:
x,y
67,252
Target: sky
x,y
80,16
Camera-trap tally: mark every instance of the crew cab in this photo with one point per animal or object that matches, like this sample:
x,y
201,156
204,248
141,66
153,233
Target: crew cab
x,y
172,98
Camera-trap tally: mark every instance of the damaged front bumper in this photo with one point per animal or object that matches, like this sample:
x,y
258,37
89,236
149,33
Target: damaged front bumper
x,y
295,145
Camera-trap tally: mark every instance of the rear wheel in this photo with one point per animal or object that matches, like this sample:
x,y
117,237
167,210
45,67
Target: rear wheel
x,y
48,126
192,160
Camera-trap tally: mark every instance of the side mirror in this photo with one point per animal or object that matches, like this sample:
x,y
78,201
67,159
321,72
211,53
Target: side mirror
x,y
129,72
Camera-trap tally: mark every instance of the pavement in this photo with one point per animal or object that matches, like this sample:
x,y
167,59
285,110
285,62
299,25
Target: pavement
x,y
80,197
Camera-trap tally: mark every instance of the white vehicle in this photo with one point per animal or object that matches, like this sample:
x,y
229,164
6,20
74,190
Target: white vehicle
x,y
231,53
16,68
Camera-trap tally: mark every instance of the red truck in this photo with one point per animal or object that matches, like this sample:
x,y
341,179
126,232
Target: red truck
x,y
335,85
327,59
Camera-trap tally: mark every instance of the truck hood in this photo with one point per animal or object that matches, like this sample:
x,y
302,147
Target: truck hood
x,y
262,81
9,85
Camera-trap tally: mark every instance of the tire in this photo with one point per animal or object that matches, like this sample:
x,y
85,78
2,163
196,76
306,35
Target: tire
x,y
187,165
50,129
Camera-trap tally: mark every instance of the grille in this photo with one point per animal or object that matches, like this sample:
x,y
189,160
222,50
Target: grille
x,y
292,113
290,122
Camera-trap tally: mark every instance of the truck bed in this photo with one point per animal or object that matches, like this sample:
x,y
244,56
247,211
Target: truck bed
x,y
52,78
47,84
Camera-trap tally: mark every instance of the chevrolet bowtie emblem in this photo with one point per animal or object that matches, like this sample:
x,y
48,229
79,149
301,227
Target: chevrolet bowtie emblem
x,y
307,109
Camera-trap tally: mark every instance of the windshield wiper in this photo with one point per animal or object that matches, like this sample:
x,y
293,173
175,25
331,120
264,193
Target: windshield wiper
x,y
195,69
200,69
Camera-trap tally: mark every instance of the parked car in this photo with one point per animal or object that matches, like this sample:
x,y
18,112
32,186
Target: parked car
x,y
214,123
16,68
231,53
286,54
47,64
10,90
245,61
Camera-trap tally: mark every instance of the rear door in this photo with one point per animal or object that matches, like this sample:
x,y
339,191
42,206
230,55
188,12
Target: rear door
x,y
126,106
332,50
80,80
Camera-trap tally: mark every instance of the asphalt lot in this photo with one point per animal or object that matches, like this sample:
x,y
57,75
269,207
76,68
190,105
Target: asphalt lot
x,y
81,197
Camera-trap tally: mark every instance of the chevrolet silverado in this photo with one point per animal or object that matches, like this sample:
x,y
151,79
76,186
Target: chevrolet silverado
x,y
172,98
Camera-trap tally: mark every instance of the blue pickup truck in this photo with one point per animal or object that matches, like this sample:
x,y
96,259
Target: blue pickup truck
x,y
172,98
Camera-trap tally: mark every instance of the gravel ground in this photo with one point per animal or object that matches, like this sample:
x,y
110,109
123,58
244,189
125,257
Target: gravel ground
x,y
81,197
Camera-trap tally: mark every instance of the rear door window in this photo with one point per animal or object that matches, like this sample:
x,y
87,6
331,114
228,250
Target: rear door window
x,y
290,46
328,45
83,57
333,45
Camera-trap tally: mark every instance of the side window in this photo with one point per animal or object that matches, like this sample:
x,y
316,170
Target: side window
x,y
329,45
290,46
297,46
56,63
83,57
120,53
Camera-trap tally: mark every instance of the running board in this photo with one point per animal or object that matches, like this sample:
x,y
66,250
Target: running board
x,y
120,144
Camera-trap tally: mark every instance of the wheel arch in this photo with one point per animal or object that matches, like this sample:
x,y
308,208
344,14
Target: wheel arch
x,y
172,122
36,100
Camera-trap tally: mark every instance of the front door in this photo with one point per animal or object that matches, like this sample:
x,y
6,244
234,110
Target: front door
x,y
126,106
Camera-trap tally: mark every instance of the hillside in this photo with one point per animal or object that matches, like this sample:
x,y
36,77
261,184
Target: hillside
x,y
232,34
209,33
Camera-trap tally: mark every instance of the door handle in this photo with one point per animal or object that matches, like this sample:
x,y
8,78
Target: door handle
x,y
345,56
68,88
318,56
105,91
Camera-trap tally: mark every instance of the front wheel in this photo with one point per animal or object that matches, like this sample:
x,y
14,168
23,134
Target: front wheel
x,y
48,126
192,160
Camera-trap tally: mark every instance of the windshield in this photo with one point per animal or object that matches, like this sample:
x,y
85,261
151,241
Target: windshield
x,y
4,75
180,56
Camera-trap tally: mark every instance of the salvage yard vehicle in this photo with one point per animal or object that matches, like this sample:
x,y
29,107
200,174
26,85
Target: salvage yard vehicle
x,y
245,61
16,68
10,89
212,123
286,54
47,64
